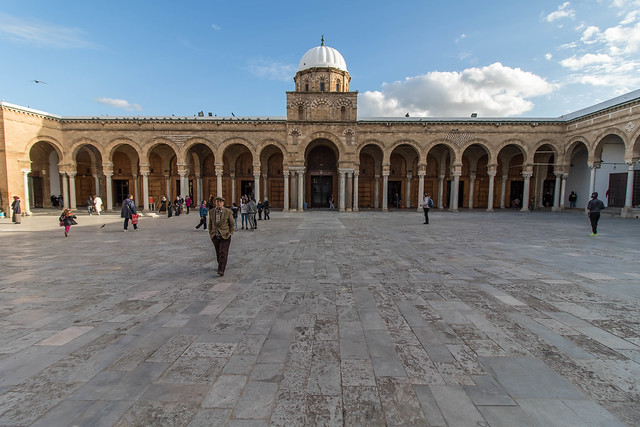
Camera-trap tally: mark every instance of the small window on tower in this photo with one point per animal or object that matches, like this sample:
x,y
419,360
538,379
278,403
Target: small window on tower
x,y
306,87
337,87
343,113
322,87
300,113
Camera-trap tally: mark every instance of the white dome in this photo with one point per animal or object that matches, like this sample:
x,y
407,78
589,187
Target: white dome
x,y
323,57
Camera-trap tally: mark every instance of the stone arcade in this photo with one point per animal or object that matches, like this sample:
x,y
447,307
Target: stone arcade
x,y
320,149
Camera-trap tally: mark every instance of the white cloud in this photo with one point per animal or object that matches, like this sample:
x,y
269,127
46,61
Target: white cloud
x,y
563,11
43,34
494,90
607,56
591,35
576,63
119,103
548,56
271,70
216,27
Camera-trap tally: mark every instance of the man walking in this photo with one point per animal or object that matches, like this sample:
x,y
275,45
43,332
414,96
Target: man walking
x,y
427,203
593,210
221,227
265,206
128,212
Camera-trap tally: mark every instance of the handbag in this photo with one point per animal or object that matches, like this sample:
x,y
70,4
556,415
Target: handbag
x,y
134,218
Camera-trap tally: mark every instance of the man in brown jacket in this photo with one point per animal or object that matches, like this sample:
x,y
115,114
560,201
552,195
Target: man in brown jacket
x,y
221,227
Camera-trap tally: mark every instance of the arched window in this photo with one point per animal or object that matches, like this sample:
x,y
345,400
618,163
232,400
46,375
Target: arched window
x,y
343,113
300,112
321,86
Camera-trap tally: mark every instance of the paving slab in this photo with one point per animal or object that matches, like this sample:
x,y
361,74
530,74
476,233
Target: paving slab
x,y
322,318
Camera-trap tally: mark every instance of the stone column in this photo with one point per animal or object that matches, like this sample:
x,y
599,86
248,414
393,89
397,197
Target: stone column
x,y
25,179
454,191
219,181
355,191
65,189
349,192
492,180
592,179
525,195
421,175
72,190
628,199
472,181
376,199
168,182
503,191
96,178
301,189
145,190
407,198
441,191
233,187
563,189
341,191
285,173
256,185
385,191
264,186
556,192
183,176
136,191
200,194
294,191
109,184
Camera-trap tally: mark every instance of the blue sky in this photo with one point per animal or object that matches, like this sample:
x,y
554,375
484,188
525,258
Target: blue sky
x,y
428,58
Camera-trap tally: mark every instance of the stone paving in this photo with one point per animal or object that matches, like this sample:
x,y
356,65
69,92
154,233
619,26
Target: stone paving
x,y
322,318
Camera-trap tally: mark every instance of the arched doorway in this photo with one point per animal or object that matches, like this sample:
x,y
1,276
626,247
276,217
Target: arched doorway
x,y
322,174
44,178
369,194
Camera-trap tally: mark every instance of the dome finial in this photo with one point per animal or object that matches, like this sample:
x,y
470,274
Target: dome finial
x,y
322,41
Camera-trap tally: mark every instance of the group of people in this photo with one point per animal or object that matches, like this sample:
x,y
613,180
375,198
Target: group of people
x,y
57,201
178,206
94,204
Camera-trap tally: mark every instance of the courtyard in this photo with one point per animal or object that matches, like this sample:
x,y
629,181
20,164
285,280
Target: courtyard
x,y
322,318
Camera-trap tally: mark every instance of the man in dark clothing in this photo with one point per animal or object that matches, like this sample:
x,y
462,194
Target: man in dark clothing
x,y
593,210
221,227
128,211
427,203
265,206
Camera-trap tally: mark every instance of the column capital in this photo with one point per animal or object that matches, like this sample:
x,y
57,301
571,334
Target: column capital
x,y
492,173
422,173
72,174
456,174
527,174
565,175
594,165
285,172
558,174
218,172
386,174
631,163
356,173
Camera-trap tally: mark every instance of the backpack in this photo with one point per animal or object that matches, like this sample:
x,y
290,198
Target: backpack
x,y
430,202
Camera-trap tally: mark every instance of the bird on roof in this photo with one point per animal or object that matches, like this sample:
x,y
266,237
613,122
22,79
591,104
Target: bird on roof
x,y
38,81
233,114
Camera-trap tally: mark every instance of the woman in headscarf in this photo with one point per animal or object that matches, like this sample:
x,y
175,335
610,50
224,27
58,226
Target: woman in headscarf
x,y
15,209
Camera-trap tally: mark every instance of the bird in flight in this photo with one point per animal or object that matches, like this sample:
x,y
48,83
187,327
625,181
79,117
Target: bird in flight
x,y
38,81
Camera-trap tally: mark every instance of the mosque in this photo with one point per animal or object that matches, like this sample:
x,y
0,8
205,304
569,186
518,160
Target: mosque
x,y
322,149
